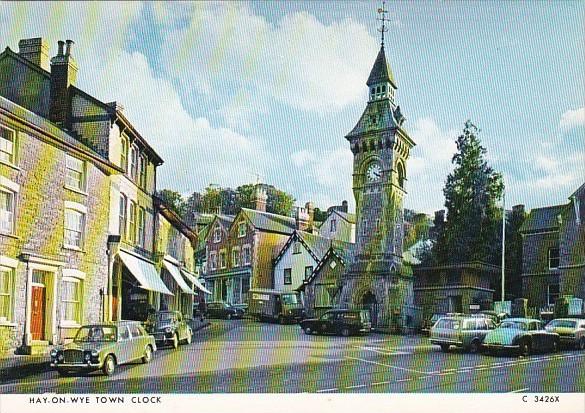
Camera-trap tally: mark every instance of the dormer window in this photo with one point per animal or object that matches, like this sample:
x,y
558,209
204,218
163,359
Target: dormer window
x,y
217,234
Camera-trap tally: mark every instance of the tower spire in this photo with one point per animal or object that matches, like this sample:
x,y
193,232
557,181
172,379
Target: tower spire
x,y
383,29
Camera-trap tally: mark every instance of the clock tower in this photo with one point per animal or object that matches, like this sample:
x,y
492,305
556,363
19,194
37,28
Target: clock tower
x,y
376,278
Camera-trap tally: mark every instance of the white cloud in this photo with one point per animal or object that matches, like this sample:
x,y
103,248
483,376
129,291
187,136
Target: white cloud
x,y
562,176
298,61
429,165
571,119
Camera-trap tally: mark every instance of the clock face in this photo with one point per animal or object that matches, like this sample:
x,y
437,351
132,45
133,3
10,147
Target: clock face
x,y
374,172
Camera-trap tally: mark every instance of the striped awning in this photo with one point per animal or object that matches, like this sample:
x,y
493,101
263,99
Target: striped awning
x,y
195,281
176,274
145,273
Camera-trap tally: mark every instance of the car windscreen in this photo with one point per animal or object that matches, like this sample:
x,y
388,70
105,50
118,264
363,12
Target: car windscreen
x,y
562,323
290,299
447,323
162,318
365,315
95,334
514,324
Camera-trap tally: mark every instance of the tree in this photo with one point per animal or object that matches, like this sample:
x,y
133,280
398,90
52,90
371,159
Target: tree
x,y
472,191
173,200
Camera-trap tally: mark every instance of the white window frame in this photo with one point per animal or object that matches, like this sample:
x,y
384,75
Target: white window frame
x,y
297,247
13,153
82,211
134,162
213,260
242,229
558,258
217,234
77,277
8,265
132,221
222,260
333,227
247,257
548,295
310,272
236,257
83,173
142,171
125,153
12,188
141,227
284,280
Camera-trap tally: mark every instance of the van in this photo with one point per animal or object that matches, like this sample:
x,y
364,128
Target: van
x,y
273,305
467,332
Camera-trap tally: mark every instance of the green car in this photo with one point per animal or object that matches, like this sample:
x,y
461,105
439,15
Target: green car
x,y
521,335
103,347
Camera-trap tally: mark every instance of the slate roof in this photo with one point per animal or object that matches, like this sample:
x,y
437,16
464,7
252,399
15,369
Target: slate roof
x,y
266,221
542,219
381,71
343,250
382,111
349,217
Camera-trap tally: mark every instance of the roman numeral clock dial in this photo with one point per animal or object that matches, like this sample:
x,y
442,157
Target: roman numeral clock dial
x,y
374,172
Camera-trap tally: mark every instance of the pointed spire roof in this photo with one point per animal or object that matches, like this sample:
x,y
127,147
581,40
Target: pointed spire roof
x,y
381,71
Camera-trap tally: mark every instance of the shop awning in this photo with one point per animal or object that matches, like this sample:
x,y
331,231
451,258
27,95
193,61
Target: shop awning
x,y
195,281
145,273
176,273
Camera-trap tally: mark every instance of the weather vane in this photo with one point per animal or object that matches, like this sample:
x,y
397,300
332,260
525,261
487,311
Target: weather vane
x,y
382,10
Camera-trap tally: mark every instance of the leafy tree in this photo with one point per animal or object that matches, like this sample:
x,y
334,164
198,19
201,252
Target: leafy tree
x,y
173,199
320,215
472,191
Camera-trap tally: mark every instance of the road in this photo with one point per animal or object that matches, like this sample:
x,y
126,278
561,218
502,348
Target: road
x,y
242,356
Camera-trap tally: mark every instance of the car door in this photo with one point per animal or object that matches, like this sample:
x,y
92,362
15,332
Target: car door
x,y
135,343
325,323
123,350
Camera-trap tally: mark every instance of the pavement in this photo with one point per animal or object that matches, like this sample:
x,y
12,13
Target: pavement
x,y
242,356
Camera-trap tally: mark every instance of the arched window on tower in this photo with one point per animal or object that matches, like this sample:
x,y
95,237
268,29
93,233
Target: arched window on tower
x,y
401,175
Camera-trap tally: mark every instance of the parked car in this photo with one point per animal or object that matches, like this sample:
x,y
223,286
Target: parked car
x,y
496,317
344,322
219,309
169,328
104,346
570,330
467,332
521,335
429,322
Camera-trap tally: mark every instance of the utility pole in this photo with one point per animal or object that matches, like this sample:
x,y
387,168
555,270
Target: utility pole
x,y
503,244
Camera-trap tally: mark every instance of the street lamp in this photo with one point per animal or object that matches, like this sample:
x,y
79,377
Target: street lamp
x,y
503,244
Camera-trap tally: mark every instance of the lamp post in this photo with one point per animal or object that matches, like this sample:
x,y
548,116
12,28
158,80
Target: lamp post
x,y
503,245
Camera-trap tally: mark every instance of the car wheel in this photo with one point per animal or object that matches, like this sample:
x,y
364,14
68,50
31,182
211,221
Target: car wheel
x,y
581,344
308,330
345,332
445,348
229,316
147,354
474,347
189,338
525,348
109,365
175,341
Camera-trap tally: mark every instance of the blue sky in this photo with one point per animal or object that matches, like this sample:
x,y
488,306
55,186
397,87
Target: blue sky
x,y
227,90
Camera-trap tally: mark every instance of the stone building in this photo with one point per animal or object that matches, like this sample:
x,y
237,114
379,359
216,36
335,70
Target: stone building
x,y
339,225
553,252
377,277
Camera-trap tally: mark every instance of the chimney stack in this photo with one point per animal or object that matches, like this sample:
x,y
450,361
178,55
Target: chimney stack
x,y
310,208
260,198
35,50
63,75
344,207
302,219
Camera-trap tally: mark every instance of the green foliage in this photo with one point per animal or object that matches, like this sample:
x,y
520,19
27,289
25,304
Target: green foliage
x,y
320,215
173,199
472,191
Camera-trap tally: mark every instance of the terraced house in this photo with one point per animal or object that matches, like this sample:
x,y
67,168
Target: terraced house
x,y
78,235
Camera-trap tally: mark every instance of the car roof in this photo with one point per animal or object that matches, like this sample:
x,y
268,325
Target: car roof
x,y
568,319
522,319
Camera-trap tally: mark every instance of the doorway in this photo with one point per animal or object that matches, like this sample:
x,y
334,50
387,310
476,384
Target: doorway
x,y
370,303
39,305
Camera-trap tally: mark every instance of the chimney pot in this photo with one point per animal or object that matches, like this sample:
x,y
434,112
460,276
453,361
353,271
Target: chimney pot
x,y
70,44
60,45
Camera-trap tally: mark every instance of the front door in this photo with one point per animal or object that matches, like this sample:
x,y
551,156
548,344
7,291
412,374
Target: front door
x,y
38,312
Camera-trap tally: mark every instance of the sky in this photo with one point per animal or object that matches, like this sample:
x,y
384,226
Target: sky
x,y
228,91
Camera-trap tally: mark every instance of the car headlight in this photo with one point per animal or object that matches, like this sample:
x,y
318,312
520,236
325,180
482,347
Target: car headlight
x,y
53,353
168,330
60,357
94,353
87,356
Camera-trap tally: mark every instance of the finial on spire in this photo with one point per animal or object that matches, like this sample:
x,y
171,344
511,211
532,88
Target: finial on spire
x,y
383,19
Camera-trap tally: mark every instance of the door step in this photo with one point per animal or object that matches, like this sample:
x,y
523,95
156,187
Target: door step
x,y
37,347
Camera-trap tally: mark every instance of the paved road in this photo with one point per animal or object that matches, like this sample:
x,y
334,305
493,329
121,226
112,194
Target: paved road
x,y
244,356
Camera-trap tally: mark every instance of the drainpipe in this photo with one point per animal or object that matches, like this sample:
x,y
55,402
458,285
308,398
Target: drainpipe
x,y
112,251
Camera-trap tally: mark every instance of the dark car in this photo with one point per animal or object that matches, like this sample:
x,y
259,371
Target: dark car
x,y
219,309
169,328
571,331
344,322
104,346
523,336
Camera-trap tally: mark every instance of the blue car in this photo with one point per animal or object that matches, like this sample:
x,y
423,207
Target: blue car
x,y
522,336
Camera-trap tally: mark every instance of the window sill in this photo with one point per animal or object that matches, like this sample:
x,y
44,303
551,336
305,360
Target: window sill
x,y
10,165
7,324
76,190
6,234
73,248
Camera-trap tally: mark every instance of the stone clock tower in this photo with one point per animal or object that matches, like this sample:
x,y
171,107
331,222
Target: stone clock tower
x,y
376,278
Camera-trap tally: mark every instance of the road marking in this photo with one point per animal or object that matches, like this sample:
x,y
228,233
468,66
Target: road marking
x,y
519,390
389,365
387,353
357,386
327,390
